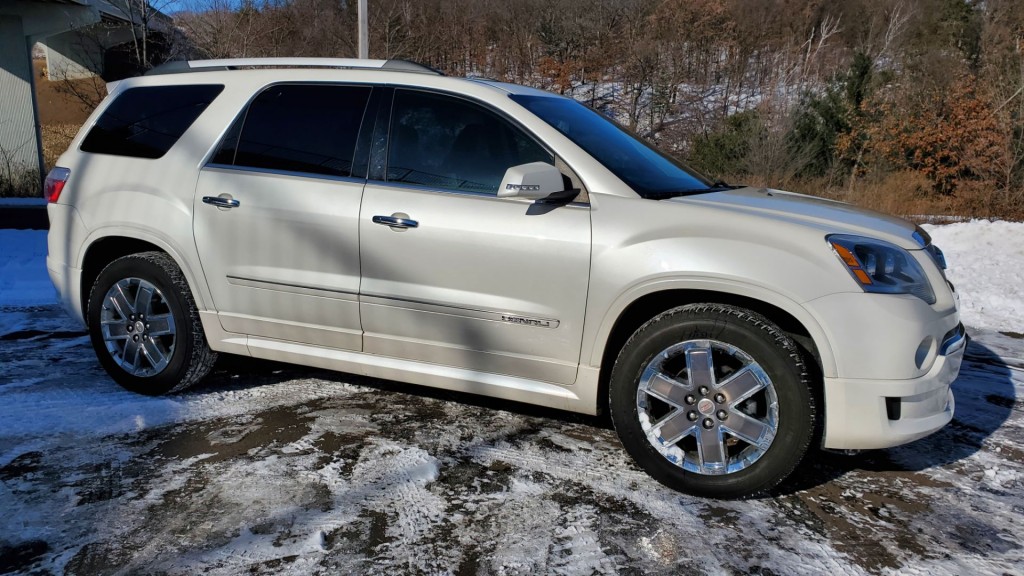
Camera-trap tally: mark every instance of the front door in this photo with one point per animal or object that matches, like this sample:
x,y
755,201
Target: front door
x,y
454,275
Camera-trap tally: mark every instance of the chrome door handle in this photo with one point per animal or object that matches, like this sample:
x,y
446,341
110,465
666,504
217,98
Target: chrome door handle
x,y
395,222
221,202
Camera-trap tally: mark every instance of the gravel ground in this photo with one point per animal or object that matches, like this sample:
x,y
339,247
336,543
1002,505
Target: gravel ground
x,y
274,469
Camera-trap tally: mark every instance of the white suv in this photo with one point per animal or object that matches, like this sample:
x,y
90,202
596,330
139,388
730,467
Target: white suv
x,y
379,218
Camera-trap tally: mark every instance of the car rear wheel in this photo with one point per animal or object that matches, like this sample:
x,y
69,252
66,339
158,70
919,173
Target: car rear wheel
x,y
145,327
713,400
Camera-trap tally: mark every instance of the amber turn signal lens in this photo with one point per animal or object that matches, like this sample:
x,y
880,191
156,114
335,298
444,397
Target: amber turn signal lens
x,y
851,261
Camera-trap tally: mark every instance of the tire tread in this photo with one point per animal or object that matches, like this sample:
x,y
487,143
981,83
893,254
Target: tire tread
x,y
202,357
771,331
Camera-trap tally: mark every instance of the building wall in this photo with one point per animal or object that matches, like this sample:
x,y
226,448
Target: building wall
x,y
19,131
73,55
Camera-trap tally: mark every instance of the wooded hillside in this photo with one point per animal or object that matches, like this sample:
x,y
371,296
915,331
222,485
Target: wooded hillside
x,y
910,106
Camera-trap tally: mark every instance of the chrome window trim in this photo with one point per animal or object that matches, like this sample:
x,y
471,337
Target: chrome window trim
x,y
288,173
428,189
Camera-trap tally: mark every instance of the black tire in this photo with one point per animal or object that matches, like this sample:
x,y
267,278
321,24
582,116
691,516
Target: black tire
x,y
722,329
184,355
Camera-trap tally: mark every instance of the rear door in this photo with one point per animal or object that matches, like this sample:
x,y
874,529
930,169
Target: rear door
x,y
468,279
276,216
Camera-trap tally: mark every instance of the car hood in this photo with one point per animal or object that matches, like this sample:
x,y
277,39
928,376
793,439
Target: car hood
x,y
830,216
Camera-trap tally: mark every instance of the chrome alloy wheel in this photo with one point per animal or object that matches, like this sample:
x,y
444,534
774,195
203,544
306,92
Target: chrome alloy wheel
x,y
707,407
137,327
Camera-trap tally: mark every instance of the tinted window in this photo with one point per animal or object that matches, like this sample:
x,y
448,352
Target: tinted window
x,y
643,168
299,128
146,122
449,143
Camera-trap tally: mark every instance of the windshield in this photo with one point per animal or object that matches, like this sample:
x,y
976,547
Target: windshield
x,y
648,172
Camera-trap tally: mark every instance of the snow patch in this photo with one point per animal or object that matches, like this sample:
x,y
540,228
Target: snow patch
x,y
23,277
23,202
986,264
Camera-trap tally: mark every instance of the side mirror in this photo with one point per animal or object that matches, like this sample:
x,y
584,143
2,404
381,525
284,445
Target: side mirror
x,y
534,181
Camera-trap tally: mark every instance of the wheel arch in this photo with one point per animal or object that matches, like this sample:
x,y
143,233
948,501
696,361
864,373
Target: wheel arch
x,y
792,319
103,248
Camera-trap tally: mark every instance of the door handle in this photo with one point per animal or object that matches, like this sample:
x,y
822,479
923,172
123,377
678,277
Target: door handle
x,y
221,202
400,221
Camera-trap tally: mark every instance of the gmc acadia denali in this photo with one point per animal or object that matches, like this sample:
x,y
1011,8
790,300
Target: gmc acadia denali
x,y
378,218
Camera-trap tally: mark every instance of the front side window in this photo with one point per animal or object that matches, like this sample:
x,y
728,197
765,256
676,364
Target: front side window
x,y
145,122
298,128
648,172
448,143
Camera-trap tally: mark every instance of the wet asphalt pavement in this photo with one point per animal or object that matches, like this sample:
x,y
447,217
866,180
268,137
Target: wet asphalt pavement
x,y
275,469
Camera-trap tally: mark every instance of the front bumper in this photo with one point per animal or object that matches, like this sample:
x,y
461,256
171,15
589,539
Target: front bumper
x,y
895,358
867,414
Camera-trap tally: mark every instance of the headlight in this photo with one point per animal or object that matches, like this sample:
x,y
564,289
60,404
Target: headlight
x,y
879,266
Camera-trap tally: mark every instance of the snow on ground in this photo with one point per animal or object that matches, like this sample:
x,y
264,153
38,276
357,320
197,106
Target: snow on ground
x,y
23,277
986,264
22,202
268,468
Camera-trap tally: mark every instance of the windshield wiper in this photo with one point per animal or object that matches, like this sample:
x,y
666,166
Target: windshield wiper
x,y
714,187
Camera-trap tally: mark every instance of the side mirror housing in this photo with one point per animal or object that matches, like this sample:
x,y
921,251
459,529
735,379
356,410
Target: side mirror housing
x,y
534,181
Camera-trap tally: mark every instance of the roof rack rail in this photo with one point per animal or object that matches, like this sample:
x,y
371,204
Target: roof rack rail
x,y
182,66
398,65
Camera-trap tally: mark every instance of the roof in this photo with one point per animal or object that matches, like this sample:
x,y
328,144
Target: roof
x,y
354,64
513,88
182,66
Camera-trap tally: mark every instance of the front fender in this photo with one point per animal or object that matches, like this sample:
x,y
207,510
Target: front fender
x,y
599,338
641,247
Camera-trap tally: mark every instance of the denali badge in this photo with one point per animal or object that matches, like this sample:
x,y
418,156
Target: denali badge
x,y
523,187
529,321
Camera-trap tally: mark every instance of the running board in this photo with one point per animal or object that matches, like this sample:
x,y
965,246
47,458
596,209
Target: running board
x,y
426,374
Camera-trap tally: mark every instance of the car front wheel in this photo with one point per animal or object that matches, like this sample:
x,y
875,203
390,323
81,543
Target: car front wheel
x,y
713,400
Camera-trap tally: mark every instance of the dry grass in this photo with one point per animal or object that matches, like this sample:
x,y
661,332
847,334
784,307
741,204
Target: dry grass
x,y
16,181
19,183
910,195
56,139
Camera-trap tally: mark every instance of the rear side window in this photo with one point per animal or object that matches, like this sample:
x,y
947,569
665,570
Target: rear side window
x,y
299,128
145,122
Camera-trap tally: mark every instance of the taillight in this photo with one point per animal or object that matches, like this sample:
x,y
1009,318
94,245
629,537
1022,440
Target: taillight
x,y
54,184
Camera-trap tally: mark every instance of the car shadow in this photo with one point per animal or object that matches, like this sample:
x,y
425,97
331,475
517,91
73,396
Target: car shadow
x,y
231,372
984,391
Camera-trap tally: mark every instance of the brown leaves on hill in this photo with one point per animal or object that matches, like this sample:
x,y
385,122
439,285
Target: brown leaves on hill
x,y
950,136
